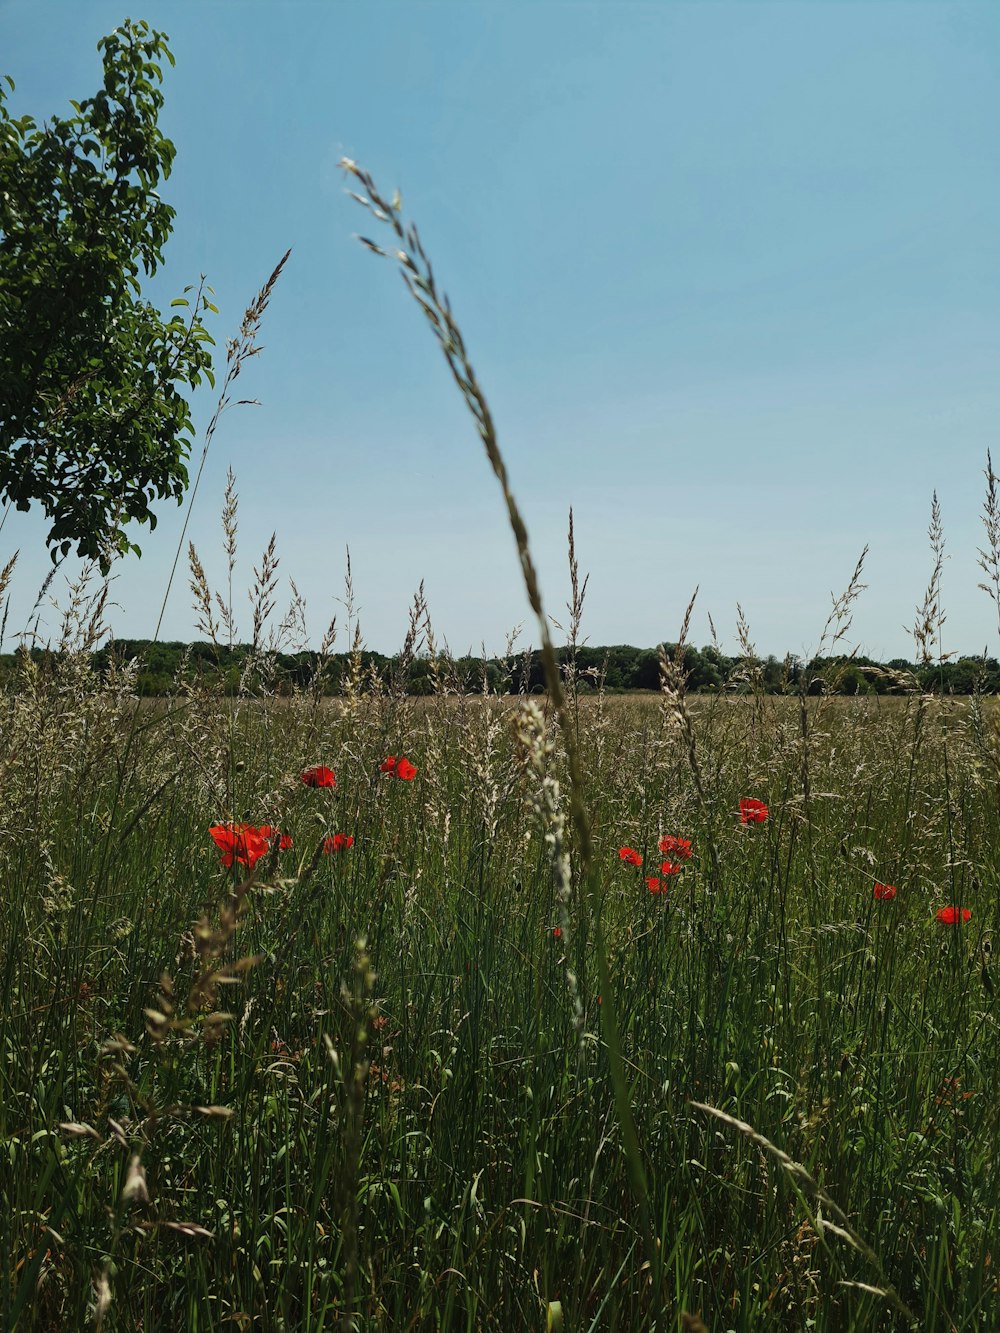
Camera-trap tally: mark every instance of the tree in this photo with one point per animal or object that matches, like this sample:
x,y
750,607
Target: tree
x,y
94,425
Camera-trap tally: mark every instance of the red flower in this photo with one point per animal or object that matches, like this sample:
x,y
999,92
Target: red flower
x,y
338,843
655,885
389,764
241,843
630,856
557,932
752,811
884,892
949,916
319,776
284,839
399,767
676,847
671,868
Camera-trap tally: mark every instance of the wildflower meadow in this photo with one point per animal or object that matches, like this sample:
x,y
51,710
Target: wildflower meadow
x,y
558,1011
366,1048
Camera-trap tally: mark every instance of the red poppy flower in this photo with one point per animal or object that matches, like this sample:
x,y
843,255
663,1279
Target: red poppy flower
x,y
655,885
284,839
630,856
389,764
404,769
671,868
884,892
557,932
949,916
241,843
319,776
338,843
752,811
676,847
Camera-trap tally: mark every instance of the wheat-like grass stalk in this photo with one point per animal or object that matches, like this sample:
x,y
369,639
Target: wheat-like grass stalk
x,y
239,351
578,593
265,582
673,694
418,276
930,616
804,1184
989,558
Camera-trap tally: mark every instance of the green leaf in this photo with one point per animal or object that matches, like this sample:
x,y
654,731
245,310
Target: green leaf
x,y
102,434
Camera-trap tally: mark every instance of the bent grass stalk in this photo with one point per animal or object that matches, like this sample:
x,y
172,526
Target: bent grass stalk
x,y
418,275
804,1185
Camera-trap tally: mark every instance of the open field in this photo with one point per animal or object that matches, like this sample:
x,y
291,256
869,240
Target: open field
x,y
523,1004
560,1011
222,1110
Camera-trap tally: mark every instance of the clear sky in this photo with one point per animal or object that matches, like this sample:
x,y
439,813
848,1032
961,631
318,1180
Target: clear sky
x,y
729,275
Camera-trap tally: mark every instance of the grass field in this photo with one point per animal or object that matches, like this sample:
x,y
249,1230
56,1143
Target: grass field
x,y
592,1014
406,1108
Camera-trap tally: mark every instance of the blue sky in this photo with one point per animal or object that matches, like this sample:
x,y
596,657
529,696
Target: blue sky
x,y
729,275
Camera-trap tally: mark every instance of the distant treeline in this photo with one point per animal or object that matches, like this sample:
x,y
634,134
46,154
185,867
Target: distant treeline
x,y
162,667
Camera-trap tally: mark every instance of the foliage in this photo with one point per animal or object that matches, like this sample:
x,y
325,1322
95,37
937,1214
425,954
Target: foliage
x,y
94,425
619,669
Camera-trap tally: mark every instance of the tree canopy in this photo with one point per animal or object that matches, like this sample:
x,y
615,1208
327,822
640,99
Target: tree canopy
x,y
94,423
162,668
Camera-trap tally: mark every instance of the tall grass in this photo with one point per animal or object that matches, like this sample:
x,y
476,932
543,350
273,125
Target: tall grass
x,y
469,1072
